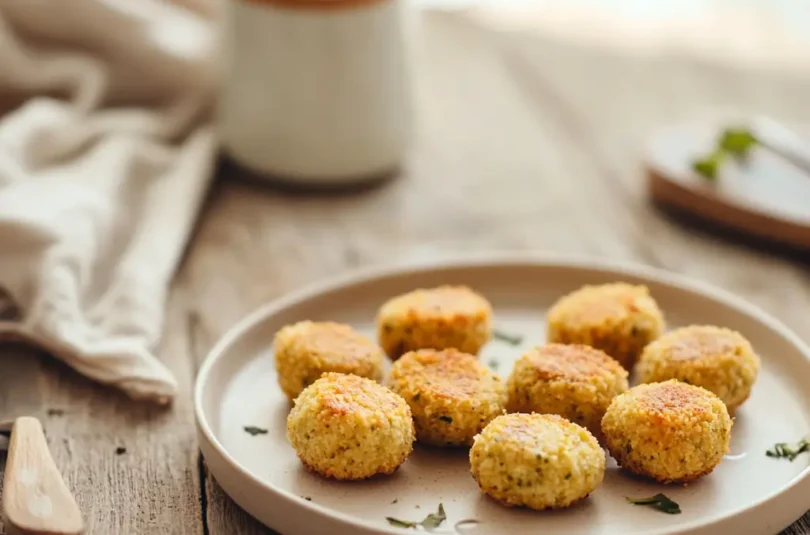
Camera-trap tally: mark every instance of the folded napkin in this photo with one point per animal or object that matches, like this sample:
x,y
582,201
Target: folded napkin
x,y
105,157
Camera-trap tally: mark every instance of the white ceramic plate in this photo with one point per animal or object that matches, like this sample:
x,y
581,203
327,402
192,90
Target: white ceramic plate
x,y
748,493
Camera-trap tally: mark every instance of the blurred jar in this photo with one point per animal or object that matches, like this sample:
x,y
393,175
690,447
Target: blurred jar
x,y
316,91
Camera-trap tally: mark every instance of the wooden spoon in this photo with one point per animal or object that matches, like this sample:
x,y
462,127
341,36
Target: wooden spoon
x,y
36,500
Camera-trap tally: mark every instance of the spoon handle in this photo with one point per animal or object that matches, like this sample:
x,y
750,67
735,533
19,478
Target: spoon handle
x,y
783,141
36,500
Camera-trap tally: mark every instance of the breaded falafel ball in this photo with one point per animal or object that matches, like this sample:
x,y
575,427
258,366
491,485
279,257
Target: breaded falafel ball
x,y
539,461
618,318
348,427
720,360
670,431
577,382
452,396
438,318
306,350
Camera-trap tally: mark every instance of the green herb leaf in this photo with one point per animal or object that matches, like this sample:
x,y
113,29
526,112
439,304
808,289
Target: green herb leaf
x,y
434,520
395,500
401,523
253,431
660,502
431,521
513,339
447,419
709,165
737,141
783,450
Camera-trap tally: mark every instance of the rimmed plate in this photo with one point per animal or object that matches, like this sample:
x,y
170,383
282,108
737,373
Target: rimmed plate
x,y
749,493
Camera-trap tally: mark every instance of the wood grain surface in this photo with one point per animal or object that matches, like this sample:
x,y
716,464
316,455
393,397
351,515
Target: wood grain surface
x,y
524,143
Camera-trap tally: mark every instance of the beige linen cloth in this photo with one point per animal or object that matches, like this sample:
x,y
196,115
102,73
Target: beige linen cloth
x,y
103,168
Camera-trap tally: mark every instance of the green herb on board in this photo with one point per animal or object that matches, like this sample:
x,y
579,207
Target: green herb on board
x,y
737,141
431,521
660,502
786,451
253,431
733,141
708,166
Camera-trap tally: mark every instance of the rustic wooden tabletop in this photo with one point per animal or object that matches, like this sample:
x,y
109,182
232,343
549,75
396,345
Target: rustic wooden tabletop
x,y
525,143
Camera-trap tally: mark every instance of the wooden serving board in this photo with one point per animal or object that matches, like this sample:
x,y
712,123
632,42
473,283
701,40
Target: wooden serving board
x,y
764,197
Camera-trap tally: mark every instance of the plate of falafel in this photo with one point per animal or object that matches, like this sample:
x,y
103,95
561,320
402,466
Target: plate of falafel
x,y
510,396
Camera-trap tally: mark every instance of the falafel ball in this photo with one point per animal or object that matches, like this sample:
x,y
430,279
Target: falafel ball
x,y
306,350
452,396
720,360
541,461
577,382
670,431
618,318
348,427
438,318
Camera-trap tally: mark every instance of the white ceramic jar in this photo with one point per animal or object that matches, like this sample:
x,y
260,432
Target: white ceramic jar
x,y
316,91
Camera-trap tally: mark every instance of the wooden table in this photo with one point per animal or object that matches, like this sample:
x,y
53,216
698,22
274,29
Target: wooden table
x,y
524,144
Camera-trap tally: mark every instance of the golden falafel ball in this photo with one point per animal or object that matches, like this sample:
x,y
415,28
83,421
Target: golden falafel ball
x,y
541,461
670,431
720,360
452,396
618,318
348,427
306,350
576,382
438,318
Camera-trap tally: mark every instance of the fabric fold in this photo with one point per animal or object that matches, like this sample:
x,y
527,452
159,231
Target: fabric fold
x,y
103,171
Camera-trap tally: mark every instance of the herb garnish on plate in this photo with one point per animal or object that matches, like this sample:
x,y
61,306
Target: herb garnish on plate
x,y
431,521
783,450
253,430
513,339
660,502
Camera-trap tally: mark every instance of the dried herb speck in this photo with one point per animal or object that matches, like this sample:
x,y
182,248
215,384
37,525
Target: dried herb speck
x,y
253,431
660,502
120,450
512,339
447,419
783,450
55,412
431,521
